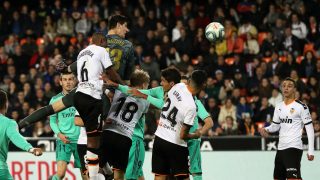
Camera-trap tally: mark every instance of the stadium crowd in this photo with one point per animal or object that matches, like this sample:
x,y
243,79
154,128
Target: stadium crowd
x,y
265,41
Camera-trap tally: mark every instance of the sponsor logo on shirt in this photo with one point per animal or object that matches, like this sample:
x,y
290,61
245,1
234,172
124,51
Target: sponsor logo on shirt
x,y
286,120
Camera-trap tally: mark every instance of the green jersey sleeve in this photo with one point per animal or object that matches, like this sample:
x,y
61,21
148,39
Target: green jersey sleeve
x,y
202,112
16,138
53,121
155,95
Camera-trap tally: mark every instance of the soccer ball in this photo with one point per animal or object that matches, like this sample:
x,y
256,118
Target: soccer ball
x,y
214,32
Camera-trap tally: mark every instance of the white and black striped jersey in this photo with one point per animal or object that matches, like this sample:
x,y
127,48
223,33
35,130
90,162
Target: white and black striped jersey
x,y
125,112
291,118
91,63
179,109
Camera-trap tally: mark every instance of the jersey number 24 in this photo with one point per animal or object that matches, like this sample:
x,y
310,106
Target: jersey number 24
x,y
171,115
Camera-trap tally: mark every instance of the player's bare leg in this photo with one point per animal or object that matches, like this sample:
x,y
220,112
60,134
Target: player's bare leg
x,y
160,177
61,170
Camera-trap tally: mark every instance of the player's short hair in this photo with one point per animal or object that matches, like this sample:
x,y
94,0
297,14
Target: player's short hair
x,y
184,77
117,19
198,78
139,77
97,36
171,75
64,73
292,80
3,99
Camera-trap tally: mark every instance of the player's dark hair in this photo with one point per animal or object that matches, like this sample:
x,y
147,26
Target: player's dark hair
x,y
292,80
198,78
3,99
97,37
171,75
138,77
184,77
117,19
65,73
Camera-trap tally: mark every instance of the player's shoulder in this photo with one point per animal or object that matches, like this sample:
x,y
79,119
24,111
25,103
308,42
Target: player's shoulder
x,y
6,120
57,96
301,104
128,43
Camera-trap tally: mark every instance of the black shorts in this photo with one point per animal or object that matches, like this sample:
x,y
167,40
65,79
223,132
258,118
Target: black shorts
x,y
82,152
90,110
169,158
287,164
115,150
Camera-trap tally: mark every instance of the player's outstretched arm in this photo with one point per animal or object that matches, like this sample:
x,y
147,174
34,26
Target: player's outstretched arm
x,y
17,139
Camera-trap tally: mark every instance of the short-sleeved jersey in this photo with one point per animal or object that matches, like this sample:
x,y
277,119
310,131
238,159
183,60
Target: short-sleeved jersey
x,y
202,114
91,62
292,118
9,132
178,109
63,121
122,55
125,112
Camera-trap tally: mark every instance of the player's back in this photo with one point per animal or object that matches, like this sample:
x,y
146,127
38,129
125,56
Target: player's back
x,y
91,63
121,54
125,112
179,108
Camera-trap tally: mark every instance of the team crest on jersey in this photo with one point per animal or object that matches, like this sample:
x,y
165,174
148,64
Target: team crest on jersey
x,y
292,110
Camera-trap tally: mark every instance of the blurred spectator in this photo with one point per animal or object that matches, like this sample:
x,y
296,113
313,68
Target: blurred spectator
x,y
264,113
83,25
289,65
275,98
246,126
251,45
230,126
299,28
316,126
151,66
228,109
246,28
65,24
243,109
290,42
308,64
176,34
265,88
271,17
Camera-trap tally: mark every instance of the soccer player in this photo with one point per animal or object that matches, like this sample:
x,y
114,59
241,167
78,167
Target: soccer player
x,y
124,114
170,152
193,144
9,132
290,116
91,63
121,50
63,126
